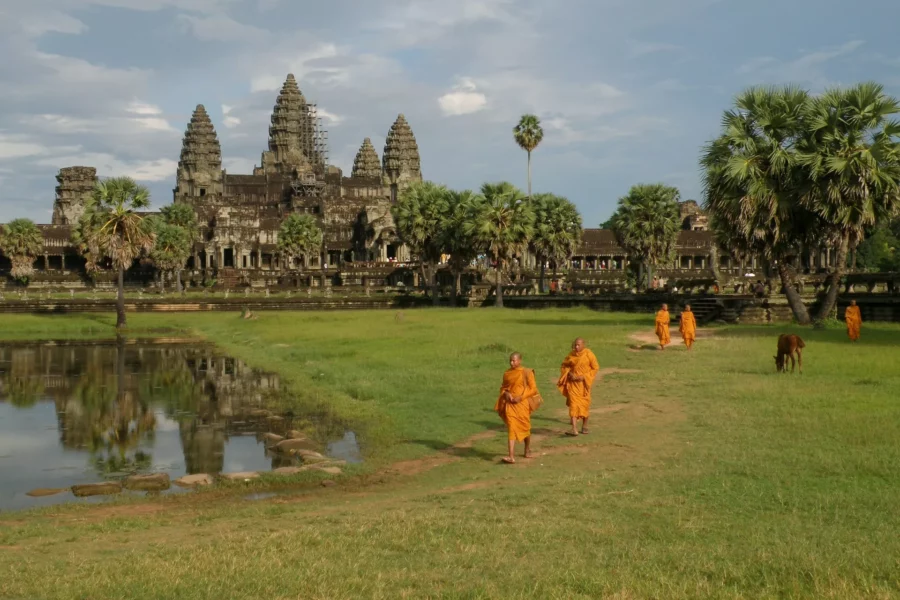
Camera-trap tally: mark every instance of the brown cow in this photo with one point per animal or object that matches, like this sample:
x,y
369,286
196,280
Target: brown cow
x,y
788,345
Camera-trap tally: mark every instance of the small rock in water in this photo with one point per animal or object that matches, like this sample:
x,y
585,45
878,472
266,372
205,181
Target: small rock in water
x,y
272,438
155,482
241,476
293,434
97,489
194,480
41,492
308,455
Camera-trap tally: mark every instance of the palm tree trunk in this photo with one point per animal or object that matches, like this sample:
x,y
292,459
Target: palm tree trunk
x,y
178,285
120,300
801,314
432,280
541,277
457,279
834,279
499,303
529,173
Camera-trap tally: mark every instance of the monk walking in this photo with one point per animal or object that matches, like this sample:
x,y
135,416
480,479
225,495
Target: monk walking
x,y
853,317
576,377
662,326
513,405
688,327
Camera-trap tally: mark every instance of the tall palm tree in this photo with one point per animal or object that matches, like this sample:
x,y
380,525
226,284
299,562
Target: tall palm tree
x,y
299,236
754,182
21,241
504,224
111,228
528,134
557,231
420,215
853,157
646,225
460,240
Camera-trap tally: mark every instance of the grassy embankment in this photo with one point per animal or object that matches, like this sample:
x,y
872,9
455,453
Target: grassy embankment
x,y
706,475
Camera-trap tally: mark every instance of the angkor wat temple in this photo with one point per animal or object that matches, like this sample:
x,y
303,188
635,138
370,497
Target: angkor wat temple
x,y
240,215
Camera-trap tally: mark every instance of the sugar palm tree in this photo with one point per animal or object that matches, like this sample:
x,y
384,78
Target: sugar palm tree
x,y
504,224
21,241
557,231
299,235
111,228
646,225
754,182
182,216
460,239
528,134
420,216
853,156
171,249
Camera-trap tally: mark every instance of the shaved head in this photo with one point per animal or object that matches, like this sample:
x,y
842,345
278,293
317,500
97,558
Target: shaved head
x,y
578,344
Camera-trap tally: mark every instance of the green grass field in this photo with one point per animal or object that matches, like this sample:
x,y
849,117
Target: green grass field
x,y
706,474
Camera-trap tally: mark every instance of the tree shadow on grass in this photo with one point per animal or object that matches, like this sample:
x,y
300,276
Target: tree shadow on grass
x,y
643,347
451,450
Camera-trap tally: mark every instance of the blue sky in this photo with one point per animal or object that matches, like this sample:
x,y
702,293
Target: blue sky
x,y
628,90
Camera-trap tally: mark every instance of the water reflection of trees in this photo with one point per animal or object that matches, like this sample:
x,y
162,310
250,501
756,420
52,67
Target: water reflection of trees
x,y
110,399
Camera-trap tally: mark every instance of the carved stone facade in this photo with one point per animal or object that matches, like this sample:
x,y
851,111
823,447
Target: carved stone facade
x,y
75,185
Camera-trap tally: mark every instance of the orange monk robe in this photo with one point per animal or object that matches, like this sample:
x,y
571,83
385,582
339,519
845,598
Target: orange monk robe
x,y
578,393
518,381
853,317
688,328
662,327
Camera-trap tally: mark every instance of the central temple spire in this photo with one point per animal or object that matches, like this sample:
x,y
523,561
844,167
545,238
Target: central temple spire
x,y
294,136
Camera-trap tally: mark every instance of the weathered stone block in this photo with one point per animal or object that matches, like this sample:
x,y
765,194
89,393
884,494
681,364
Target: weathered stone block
x,y
97,489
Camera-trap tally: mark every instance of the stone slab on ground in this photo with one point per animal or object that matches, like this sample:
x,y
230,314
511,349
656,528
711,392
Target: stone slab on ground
x,y
197,479
240,476
97,489
154,482
42,492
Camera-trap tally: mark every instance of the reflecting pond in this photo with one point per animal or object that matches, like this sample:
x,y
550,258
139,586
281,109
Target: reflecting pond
x,y
73,413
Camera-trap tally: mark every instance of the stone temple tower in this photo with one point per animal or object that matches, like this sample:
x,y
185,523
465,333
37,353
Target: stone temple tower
x,y
200,166
295,139
74,189
401,165
366,164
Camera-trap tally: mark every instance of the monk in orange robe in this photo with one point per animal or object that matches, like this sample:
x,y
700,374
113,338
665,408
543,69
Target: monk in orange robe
x,y
662,326
576,376
513,406
688,327
853,318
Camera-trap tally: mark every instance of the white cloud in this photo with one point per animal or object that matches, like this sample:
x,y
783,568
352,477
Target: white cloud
x,y
805,69
229,120
328,116
19,146
160,169
463,100
220,27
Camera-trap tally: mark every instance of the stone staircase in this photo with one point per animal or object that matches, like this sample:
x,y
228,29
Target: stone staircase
x,y
705,308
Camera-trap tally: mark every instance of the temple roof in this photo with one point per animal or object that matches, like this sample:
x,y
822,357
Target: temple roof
x,y
401,152
200,146
366,163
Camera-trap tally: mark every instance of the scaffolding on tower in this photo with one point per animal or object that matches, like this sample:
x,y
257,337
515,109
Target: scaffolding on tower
x,y
315,136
